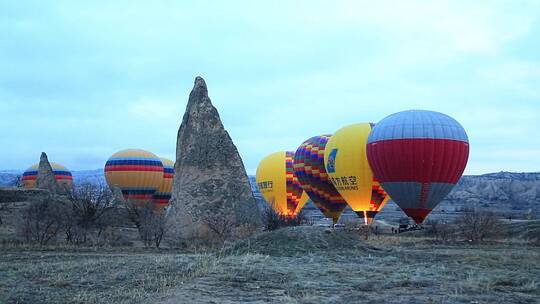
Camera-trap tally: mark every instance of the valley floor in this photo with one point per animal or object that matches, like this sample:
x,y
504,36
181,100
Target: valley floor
x,y
293,265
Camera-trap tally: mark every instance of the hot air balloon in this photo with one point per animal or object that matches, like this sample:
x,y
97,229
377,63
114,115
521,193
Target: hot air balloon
x,y
137,173
163,194
302,202
61,173
278,184
309,168
348,168
418,156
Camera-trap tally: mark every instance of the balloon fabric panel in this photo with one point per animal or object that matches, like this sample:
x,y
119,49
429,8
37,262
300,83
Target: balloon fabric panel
x,y
294,189
310,170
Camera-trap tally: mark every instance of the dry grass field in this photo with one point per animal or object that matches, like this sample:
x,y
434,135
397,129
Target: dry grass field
x,y
291,265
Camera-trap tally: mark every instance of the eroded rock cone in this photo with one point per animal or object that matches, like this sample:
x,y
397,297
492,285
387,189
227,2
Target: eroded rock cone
x,y
211,195
45,177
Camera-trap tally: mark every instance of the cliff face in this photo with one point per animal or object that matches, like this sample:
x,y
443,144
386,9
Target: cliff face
x,y
503,191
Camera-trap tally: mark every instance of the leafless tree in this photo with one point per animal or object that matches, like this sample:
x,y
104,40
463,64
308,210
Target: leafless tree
x,y
90,205
220,221
42,219
441,229
475,225
151,223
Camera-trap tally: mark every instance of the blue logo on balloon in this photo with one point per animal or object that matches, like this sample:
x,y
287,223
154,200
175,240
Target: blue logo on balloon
x,y
331,164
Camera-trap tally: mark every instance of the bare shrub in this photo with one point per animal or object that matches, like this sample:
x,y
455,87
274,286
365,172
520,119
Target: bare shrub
x,y
90,205
273,220
530,215
42,219
151,223
220,221
441,230
2,208
222,226
534,237
15,181
224,222
476,225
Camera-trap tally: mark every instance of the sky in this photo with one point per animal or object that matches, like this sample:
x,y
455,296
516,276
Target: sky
x,y
81,80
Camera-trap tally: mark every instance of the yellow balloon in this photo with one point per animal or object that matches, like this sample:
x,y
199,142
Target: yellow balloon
x,y
303,200
163,193
278,184
61,173
138,173
348,168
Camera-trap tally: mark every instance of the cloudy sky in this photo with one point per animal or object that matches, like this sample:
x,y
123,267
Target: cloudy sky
x,y
83,80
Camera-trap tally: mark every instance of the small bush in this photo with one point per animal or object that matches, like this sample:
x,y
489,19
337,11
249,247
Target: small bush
x,y
473,225
273,220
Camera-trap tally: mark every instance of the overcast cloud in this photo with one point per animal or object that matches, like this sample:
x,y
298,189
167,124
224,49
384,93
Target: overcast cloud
x,y
83,80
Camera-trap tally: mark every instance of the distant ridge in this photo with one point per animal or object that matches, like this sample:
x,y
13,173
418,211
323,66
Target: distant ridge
x,y
506,192
531,176
9,177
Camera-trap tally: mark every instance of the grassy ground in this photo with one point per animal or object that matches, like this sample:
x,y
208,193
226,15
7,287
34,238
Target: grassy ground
x,y
294,265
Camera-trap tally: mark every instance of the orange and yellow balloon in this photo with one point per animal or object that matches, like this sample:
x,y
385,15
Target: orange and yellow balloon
x,y
347,166
163,194
138,173
278,184
61,174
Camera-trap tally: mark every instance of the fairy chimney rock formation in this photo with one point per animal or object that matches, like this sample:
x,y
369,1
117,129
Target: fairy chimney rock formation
x,y
211,192
45,177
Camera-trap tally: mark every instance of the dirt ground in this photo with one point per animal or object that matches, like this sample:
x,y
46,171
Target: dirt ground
x,y
292,265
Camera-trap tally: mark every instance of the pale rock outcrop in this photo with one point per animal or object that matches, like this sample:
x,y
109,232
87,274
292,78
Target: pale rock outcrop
x,y
211,194
45,177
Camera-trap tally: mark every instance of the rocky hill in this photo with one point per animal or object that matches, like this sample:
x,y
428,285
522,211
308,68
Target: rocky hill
x,y
513,192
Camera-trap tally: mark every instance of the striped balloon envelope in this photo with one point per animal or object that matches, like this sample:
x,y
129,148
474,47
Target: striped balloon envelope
x,y
163,194
278,184
348,168
61,173
137,173
418,156
310,170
